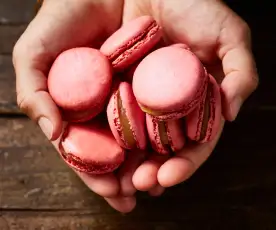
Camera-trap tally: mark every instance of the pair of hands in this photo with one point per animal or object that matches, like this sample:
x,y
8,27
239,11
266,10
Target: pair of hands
x,y
219,37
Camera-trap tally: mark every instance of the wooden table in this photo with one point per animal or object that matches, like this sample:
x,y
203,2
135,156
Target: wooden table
x,y
234,189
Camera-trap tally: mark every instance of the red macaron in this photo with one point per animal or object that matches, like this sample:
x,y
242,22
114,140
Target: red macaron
x,y
126,119
131,41
79,82
169,82
91,148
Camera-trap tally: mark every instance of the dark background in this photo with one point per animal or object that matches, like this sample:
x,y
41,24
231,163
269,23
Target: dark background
x,y
234,189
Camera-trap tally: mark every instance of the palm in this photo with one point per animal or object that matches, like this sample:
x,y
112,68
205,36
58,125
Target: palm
x,y
200,24
197,23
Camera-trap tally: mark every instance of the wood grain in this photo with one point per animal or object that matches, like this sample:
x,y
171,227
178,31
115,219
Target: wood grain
x,y
16,11
8,103
34,177
9,36
227,220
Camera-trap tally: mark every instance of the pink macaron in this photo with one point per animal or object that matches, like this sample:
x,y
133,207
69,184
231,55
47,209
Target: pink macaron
x,y
126,119
91,148
165,136
203,123
169,82
79,82
131,42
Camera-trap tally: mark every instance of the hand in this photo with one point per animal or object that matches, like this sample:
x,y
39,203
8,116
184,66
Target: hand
x,y
209,27
221,39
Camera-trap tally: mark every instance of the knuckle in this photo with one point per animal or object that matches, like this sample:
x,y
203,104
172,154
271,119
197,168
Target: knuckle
x,y
254,82
24,103
245,30
17,52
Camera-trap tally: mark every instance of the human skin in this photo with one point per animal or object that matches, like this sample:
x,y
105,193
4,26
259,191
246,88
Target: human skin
x,y
215,33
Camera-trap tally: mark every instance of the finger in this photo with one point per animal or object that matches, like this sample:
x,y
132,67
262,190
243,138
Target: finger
x,y
241,77
34,100
158,190
122,204
145,177
105,185
125,174
186,162
240,80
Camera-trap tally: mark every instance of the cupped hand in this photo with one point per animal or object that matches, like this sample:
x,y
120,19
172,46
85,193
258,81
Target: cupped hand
x,y
214,32
222,41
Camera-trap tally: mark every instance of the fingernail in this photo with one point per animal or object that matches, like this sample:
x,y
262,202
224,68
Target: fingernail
x,y
46,126
235,107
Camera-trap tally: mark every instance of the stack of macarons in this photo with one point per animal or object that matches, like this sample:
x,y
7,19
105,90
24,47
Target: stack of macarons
x,y
133,92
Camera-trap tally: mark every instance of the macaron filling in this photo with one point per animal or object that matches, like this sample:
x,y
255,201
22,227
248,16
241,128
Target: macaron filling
x,y
125,132
209,115
206,117
165,136
134,44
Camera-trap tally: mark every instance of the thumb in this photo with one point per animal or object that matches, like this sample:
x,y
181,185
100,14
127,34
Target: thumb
x,y
58,26
241,77
34,100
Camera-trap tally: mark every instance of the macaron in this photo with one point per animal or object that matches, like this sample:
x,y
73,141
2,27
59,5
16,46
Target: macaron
x,y
169,82
131,42
91,148
79,82
165,136
203,123
126,119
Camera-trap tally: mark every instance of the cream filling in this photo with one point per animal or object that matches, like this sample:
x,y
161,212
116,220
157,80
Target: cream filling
x,y
163,133
125,124
206,115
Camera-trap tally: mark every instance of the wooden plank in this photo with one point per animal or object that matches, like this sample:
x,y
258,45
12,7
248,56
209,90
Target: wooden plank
x,y
78,220
240,173
9,36
16,11
8,103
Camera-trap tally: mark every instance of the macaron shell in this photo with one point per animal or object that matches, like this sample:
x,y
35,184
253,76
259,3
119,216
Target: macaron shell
x,y
82,115
90,147
133,40
170,79
195,120
135,117
80,80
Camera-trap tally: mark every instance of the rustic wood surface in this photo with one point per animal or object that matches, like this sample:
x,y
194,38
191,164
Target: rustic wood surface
x,y
234,189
